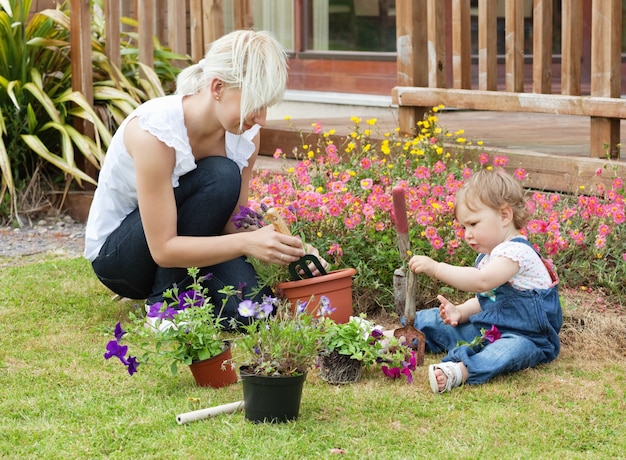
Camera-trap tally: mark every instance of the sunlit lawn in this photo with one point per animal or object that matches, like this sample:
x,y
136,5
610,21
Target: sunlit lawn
x,y
60,399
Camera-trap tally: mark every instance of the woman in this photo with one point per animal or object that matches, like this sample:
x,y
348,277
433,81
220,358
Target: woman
x,y
176,171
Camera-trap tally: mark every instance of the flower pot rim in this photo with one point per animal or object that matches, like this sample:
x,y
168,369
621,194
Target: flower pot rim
x,y
332,275
247,370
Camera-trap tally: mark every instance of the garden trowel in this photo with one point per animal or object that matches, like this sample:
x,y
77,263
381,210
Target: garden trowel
x,y
414,337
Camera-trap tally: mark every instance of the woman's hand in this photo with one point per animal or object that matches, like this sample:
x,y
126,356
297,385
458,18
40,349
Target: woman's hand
x,y
268,245
314,251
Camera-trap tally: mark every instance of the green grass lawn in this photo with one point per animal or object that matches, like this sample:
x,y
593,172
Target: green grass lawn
x,y
60,399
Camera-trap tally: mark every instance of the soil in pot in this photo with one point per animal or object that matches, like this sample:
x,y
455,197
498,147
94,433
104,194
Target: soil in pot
x,y
337,369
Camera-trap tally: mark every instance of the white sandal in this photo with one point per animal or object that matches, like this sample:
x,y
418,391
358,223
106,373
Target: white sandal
x,y
452,372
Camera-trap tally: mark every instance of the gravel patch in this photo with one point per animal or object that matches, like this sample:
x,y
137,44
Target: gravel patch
x,y
61,236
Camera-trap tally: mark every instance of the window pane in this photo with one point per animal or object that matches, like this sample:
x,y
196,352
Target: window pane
x,y
275,16
351,25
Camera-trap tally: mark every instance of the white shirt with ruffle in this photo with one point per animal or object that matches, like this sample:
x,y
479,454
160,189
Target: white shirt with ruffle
x,y
116,195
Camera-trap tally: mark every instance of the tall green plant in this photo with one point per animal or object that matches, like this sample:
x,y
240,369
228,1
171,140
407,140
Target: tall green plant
x,y
37,104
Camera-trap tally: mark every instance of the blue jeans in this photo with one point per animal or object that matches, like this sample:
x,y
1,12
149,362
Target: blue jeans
x,y
205,200
529,322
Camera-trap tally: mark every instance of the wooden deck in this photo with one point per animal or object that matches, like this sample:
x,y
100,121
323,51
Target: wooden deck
x,y
553,149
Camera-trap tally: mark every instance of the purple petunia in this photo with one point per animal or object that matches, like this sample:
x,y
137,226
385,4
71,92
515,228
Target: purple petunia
x,y
115,349
118,332
132,365
190,298
325,307
246,217
156,311
247,308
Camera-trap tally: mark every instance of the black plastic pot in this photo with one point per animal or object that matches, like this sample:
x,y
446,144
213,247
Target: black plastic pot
x,y
271,399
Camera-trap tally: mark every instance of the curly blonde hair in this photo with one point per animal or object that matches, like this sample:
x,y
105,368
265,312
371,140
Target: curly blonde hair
x,y
495,189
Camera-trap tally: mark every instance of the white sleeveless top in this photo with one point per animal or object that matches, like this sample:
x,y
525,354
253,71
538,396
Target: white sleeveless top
x,y
116,194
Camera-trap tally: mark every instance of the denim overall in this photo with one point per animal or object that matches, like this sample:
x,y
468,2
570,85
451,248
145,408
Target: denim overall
x,y
529,321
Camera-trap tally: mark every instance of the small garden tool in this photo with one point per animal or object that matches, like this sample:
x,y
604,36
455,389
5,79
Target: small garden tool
x,y
301,268
414,337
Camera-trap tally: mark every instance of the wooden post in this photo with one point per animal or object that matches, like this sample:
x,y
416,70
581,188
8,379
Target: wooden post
x,y
412,56
212,20
82,72
461,41
606,44
195,30
112,12
436,43
487,45
177,28
514,45
145,19
244,17
542,47
572,45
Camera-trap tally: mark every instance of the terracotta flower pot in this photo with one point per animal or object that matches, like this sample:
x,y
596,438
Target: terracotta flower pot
x,y
336,285
209,372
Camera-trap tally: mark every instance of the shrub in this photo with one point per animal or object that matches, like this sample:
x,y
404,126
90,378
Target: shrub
x,y
338,195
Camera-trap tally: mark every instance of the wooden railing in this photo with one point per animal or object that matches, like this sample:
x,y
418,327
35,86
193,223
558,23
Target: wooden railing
x,y
186,27
422,63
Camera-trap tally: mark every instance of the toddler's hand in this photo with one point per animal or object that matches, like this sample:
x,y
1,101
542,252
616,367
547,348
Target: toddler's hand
x,y
448,312
423,264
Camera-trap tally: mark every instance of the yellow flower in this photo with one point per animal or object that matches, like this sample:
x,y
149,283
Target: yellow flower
x,y
367,147
355,120
367,132
310,154
350,147
480,142
287,117
385,147
439,150
291,169
371,121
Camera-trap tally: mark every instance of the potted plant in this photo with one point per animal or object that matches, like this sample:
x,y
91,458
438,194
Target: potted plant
x,y
183,329
346,349
278,349
292,283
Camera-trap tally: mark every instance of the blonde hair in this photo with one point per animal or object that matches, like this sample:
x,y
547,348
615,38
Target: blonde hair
x,y
253,62
495,189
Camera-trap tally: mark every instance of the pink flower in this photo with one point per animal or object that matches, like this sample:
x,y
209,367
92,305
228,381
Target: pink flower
x,y
500,161
366,184
492,334
520,173
483,158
